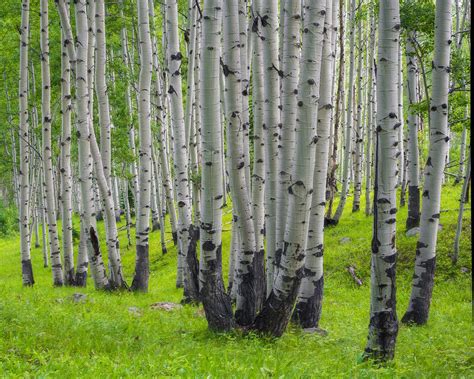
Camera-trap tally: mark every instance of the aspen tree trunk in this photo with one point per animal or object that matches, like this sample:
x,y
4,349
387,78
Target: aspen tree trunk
x,y
346,167
309,304
186,230
258,169
44,233
142,270
425,262
26,267
383,326
158,187
66,172
401,132
462,202
56,266
271,123
291,11
217,305
340,94
233,72
276,311
358,137
462,155
370,111
413,120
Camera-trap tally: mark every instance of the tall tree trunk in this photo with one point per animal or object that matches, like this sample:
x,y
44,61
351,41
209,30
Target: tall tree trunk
x,y
142,269
217,305
425,262
413,174
186,230
383,326
233,72
271,124
26,267
309,304
349,120
276,310
56,266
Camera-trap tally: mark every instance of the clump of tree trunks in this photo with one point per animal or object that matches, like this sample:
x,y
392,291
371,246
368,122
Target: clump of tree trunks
x,y
275,112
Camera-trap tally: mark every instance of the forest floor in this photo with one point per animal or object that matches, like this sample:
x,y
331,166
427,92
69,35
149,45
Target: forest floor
x,y
45,333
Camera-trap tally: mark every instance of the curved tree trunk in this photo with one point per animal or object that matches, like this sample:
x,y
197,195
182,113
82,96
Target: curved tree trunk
x,y
425,262
383,326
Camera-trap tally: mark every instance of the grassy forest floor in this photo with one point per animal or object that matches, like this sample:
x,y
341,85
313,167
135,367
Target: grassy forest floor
x,y
44,333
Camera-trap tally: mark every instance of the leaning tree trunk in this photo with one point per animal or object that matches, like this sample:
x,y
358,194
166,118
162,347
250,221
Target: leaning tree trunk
x,y
26,267
309,304
217,305
142,269
425,262
383,326
413,174
186,230
271,119
349,120
276,310
233,71
56,266
66,172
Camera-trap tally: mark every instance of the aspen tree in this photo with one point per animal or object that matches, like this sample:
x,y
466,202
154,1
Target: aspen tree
x,y
383,325
26,267
140,279
425,262
217,305
277,308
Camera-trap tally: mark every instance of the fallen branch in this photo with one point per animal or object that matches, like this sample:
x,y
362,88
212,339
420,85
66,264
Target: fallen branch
x,y
351,271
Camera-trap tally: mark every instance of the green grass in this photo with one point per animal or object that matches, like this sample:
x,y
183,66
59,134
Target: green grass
x,y
45,334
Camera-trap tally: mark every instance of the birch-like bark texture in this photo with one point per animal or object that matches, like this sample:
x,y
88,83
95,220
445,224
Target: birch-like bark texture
x,y
26,267
349,120
383,326
358,136
309,304
271,122
425,262
66,172
413,121
217,305
370,111
258,169
186,233
55,254
276,311
233,72
401,131
291,12
142,269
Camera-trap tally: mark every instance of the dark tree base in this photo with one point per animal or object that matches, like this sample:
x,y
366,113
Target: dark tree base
x,y
246,314
175,238
155,226
329,222
307,314
142,270
164,250
413,219
419,308
81,279
355,208
37,245
260,285
27,272
191,280
99,217
217,304
275,314
383,329
69,278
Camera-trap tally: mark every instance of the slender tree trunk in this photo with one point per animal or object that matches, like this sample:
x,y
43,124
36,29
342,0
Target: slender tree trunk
x,y
217,305
276,310
413,175
142,269
309,304
383,326
425,262
56,266
349,120
186,230
26,267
